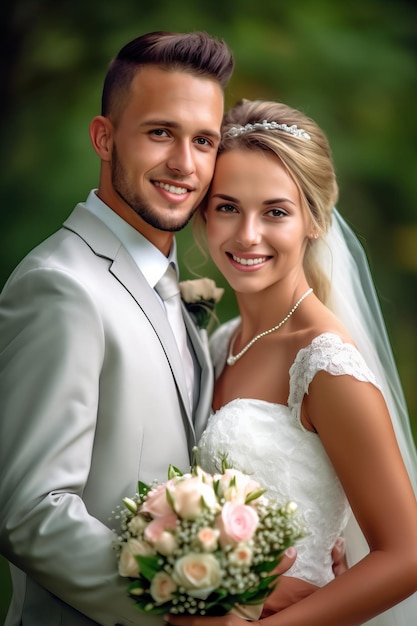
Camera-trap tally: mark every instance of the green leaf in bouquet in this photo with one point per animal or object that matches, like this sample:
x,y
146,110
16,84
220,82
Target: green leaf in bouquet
x,y
225,464
143,490
254,597
148,565
170,500
254,495
139,588
219,603
173,472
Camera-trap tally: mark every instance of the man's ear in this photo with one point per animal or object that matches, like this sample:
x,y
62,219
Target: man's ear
x,y
101,135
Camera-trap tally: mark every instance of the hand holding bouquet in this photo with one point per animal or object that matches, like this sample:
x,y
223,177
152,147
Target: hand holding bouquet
x,y
202,544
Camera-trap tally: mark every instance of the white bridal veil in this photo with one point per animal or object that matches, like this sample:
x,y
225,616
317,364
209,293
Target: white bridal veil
x,y
355,302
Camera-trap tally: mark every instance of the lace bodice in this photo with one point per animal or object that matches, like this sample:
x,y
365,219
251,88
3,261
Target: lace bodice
x,y
268,441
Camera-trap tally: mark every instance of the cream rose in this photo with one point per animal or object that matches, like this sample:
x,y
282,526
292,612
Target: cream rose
x,y
162,587
241,555
128,566
190,496
237,523
208,538
199,574
200,289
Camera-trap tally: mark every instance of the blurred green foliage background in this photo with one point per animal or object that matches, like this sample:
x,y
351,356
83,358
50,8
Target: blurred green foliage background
x,y
352,66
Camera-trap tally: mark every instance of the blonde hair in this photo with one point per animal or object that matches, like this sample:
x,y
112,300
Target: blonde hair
x,y
308,161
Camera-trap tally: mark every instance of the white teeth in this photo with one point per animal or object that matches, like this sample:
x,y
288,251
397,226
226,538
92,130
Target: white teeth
x,y
249,261
171,188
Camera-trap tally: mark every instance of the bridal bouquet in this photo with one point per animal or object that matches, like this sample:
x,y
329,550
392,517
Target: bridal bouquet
x,y
203,544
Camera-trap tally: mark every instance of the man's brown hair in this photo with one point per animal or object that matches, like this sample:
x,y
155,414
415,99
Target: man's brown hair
x,y
197,53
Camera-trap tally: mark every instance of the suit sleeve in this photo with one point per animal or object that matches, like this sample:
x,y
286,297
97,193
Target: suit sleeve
x,y
52,346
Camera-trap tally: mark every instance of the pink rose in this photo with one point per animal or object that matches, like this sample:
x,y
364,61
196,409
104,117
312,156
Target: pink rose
x,y
199,574
156,502
190,496
237,522
162,587
158,534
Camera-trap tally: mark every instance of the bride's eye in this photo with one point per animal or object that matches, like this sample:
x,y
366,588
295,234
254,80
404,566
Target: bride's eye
x,y
226,208
277,213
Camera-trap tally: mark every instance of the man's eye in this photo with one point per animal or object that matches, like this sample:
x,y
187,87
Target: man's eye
x,y
202,141
159,132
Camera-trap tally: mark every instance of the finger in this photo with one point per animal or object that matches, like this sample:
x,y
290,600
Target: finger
x,y
287,560
339,558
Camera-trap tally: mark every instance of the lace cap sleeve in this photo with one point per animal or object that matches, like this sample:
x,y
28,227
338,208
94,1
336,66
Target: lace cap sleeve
x,y
328,353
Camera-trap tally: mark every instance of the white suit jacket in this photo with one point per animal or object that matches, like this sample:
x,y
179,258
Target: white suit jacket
x,y
91,400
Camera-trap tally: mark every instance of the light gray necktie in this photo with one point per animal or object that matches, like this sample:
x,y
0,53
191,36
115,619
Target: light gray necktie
x,y
168,289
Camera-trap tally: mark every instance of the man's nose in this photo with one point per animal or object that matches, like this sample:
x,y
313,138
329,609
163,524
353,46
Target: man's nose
x,y
181,159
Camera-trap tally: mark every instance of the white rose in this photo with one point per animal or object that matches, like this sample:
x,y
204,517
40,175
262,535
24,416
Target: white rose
x,y
189,497
199,574
128,566
200,289
236,486
205,477
162,587
136,525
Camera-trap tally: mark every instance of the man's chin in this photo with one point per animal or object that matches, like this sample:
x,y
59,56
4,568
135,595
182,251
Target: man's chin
x,y
170,223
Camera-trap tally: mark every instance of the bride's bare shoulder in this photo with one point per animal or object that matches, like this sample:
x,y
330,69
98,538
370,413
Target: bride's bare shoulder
x,y
319,320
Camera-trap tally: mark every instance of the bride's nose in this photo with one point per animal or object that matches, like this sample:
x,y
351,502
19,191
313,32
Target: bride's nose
x,y
249,232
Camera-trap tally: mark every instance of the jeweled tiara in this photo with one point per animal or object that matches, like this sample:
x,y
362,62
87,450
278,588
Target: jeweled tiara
x,y
293,130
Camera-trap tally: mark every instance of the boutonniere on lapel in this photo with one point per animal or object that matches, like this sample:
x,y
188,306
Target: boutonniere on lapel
x,y
200,297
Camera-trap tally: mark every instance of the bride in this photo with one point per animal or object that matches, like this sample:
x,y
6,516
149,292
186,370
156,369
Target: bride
x,y
307,395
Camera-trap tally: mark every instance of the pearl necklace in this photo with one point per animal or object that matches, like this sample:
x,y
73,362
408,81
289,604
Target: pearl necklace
x,y
231,359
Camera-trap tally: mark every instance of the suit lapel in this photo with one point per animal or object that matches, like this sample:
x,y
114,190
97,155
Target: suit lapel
x,y
199,341
104,243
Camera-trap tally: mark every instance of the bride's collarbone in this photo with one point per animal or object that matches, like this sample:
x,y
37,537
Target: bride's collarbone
x,y
260,375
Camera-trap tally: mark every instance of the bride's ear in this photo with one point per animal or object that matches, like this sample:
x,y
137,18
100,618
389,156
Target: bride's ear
x,y
101,135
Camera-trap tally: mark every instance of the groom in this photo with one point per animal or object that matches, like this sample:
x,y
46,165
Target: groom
x,y
94,391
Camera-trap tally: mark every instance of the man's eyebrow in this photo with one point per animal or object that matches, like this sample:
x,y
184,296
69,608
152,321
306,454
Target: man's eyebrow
x,y
170,124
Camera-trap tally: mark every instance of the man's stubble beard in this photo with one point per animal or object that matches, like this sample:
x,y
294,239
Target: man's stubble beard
x,y
138,204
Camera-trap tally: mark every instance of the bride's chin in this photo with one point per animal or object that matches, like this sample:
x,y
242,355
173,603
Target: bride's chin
x,y
288,591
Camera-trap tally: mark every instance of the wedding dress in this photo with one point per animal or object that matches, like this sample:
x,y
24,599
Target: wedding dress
x,y
268,440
